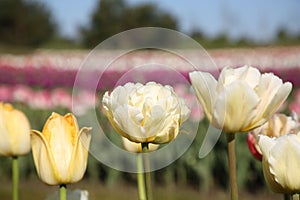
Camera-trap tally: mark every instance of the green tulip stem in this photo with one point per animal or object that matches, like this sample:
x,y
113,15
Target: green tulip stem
x,y
140,178
63,192
232,165
145,148
15,177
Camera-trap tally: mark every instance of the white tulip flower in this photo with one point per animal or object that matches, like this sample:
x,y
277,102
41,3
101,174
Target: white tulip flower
x,y
150,113
281,162
242,99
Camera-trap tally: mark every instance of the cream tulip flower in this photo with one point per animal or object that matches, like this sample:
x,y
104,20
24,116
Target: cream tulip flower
x,y
278,125
14,132
242,99
281,162
60,151
149,113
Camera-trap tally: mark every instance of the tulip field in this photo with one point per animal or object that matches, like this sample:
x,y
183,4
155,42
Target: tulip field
x,y
47,81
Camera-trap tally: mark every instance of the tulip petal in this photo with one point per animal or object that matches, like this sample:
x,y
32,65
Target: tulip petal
x,y
272,93
115,124
266,144
204,85
72,121
246,73
168,133
5,141
127,119
185,111
19,128
61,137
270,179
284,162
43,159
278,98
79,156
15,131
234,108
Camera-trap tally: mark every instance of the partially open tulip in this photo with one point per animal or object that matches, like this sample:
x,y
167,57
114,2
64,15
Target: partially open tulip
x,y
281,162
60,151
278,125
242,99
136,147
149,113
14,132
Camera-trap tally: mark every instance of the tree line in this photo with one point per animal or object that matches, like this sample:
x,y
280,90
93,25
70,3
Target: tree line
x,y
30,23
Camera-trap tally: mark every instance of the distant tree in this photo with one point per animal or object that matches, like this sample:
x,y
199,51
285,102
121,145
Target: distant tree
x,y
114,16
25,23
284,38
148,15
281,34
196,35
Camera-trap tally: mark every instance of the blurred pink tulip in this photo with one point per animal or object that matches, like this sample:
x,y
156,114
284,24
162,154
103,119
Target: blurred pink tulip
x,y
5,93
22,93
61,98
41,100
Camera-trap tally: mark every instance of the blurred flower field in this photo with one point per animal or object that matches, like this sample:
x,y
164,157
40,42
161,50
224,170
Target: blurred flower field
x,y
42,82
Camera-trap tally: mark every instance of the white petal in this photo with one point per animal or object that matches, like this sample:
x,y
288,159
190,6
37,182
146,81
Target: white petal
x,y
266,144
281,95
246,73
129,120
272,93
285,162
235,108
204,85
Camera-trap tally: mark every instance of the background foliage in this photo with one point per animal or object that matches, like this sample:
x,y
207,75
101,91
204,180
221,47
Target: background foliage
x,y
28,24
25,23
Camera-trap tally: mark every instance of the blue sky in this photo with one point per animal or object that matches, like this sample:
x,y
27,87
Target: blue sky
x,y
255,19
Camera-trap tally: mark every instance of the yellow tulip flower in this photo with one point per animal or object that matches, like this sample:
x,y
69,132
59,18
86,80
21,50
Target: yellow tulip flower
x,y
242,99
60,151
14,132
281,161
